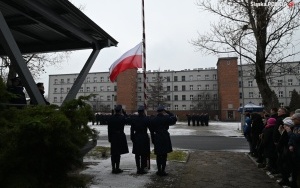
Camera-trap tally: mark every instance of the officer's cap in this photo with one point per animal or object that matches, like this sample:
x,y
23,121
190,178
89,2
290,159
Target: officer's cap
x,y
160,108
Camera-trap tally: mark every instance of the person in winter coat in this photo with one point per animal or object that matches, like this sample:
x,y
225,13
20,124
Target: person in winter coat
x,y
117,138
161,138
140,139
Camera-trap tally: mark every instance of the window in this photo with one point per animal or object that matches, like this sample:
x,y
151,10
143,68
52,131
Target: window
x,y
250,83
168,97
153,79
101,79
108,98
61,99
94,98
168,106
298,70
215,87
259,95
108,88
139,89
191,77
168,79
250,94
176,107
175,97
175,78
55,81
139,79
101,88
74,80
55,99
108,80
206,87
198,77
95,79
215,106
183,107
191,97
290,82
115,88
199,97
175,88
198,87
62,81
206,77
68,80
290,93
55,90
101,98
182,78
191,107
207,97
215,97
183,97
168,88
281,104
240,84
241,95
81,89
68,89
279,82
139,98
183,88
61,90
87,89
191,87
214,76
95,89
88,79
280,94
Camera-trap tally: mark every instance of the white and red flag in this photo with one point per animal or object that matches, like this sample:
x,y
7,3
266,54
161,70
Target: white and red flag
x,y
129,60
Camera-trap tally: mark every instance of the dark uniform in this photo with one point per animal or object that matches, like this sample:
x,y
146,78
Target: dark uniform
x,y
17,89
189,118
117,138
161,138
140,139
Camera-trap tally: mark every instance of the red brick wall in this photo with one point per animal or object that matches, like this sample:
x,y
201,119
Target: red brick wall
x,y
228,86
126,90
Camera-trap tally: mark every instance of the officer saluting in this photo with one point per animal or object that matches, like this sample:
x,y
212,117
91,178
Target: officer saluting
x,y
161,138
117,138
140,139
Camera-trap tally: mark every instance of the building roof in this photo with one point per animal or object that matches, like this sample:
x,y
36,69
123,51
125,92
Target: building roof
x,y
51,25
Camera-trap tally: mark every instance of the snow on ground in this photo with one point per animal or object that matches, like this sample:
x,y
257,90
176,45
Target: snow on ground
x,y
101,168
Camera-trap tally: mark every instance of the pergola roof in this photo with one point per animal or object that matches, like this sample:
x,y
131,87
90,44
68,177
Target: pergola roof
x,y
50,26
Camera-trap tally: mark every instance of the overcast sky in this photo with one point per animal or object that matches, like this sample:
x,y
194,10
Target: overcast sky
x,y
170,25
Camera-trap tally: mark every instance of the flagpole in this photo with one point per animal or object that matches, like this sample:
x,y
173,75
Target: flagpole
x,y
144,57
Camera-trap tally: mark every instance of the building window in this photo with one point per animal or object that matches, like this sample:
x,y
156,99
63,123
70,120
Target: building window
x,y
191,77
241,95
183,107
215,87
198,77
191,107
168,97
55,81
281,104
168,88
175,88
176,107
183,97
199,97
101,88
101,79
108,88
250,94
290,93
101,98
175,78
55,90
139,98
215,106
115,88
139,79
206,77
215,96
240,84
139,89
279,82
62,81
61,99
88,79
94,98
191,87
280,94
95,79
87,89
168,78
62,90
191,97
207,97
214,76
68,80
198,87
206,87
259,95
290,82
55,99
250,83
183,88
175,97
81,89
182,78
74,79
153,79
95,89
68,89
108,98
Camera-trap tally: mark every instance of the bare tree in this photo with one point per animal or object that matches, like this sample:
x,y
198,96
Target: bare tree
x,y
260,31
157,92
204,101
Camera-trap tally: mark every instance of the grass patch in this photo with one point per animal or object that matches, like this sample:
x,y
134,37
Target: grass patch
x,y
98,152
176,155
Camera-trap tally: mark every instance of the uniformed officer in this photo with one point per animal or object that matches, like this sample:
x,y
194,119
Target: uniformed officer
x,y
161,137
140,139
117,138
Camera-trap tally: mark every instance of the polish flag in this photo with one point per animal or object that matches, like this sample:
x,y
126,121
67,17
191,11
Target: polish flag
x,y
129,60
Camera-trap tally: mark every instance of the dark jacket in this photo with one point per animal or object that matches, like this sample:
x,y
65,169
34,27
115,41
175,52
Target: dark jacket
x,y
159,133
267,141
139,135
116,135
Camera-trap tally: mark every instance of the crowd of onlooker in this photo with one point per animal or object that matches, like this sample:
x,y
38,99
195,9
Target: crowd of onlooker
x,y
274,140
